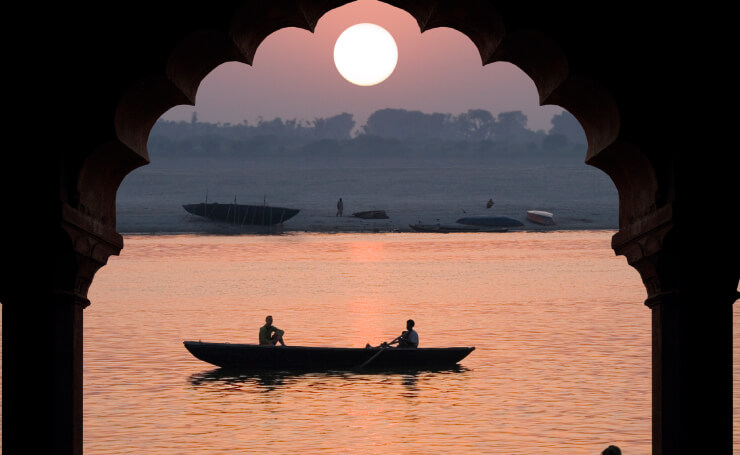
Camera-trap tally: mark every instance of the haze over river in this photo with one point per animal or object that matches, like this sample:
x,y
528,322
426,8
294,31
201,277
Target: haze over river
x,y
410,188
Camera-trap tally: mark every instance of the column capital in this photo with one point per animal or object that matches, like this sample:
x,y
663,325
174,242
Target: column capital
x,y
72,298
92,243
642,243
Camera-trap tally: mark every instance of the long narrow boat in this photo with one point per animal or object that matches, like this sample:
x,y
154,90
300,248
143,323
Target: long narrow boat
x,y
449,228
491,221
372,215
287,358
260,215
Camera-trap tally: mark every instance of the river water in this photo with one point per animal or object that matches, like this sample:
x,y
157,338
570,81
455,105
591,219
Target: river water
x,y
561,365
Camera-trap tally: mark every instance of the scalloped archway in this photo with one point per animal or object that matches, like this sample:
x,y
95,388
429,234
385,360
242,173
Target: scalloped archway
x,y
154,58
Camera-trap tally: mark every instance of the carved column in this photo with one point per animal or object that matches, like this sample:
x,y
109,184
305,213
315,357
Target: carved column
x,y
691,335
92,243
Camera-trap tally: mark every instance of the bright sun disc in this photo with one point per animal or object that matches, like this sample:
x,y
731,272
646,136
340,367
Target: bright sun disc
x,y
365,54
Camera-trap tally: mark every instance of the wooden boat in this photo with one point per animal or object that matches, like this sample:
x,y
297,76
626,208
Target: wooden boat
x,y
260,215
491,221
372,215
288,358
540,217
448,228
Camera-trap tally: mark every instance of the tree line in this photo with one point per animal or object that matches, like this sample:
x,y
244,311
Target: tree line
x,y
385,131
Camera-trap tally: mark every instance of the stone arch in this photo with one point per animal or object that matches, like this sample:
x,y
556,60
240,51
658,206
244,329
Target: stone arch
x,y
581,57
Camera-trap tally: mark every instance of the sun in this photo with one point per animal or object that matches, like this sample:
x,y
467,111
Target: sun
x,y
365,54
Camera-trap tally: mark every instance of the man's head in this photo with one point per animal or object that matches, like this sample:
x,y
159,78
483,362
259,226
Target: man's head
x,y
410,324
612,450
268,320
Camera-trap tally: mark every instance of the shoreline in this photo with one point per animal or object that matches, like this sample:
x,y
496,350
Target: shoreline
x,y
230,230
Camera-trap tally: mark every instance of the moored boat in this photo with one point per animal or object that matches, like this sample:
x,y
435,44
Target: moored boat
x,y
449,228
243,214
540,217
491,221
371,215
286,358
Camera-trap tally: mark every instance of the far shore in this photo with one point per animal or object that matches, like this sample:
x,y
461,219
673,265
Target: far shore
x,y
225,229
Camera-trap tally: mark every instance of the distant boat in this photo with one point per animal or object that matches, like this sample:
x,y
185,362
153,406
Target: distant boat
x,y
448,228
242,214
490,221
540,217
371,215
287,358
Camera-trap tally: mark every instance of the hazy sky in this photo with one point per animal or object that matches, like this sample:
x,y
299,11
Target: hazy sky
x,y
294,76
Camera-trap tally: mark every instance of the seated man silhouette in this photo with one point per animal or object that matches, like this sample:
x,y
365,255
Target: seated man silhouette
x,y
408,339
269,334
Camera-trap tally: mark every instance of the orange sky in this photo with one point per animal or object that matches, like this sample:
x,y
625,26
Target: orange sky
x,y
294,76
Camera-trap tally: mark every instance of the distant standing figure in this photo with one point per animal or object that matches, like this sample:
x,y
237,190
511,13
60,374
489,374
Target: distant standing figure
x,y
269,334
340,207
489,204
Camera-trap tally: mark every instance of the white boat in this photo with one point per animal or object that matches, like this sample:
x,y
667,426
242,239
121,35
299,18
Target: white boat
x,y
540,217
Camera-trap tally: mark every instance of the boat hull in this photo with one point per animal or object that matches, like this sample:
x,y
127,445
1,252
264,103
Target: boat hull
x,y
288,358
446,228
540,217
242,214
490,221
372,215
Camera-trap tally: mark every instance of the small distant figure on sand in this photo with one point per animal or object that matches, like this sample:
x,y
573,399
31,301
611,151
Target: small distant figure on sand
x,y
490,203
340,207
269,334
612,450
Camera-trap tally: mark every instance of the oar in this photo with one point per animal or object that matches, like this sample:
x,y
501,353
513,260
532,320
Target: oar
x,y
382,348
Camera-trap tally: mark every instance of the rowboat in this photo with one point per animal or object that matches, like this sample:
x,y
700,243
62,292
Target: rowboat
x,y
490,221
242,214
540,217
371,215
449,228
288,358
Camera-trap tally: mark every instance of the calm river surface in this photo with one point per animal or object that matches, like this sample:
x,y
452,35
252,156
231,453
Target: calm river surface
x,y
562,359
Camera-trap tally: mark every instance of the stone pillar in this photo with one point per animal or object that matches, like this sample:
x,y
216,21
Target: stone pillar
x,y
43,298
68,354
691,304
92,243
692,372
42,372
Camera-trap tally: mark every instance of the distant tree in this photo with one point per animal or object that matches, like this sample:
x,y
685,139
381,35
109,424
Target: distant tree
x,y
511,127
567,125
267,127
554,142
336,127
513,120
387,131
403,124
474,125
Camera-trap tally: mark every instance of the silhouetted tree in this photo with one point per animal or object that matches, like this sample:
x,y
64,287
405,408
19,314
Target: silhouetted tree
x,y
475,125
511,128
403,124
568,126
386,131
554,142
336,127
